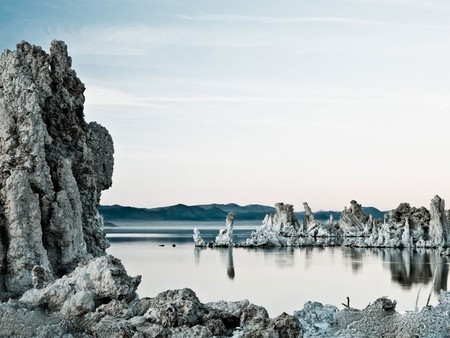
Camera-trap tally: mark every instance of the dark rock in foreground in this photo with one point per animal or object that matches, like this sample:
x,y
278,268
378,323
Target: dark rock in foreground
x,y
54,166
99,299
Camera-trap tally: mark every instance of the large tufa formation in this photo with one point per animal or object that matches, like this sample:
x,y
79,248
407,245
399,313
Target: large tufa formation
x,y
277,229
438,230
283,221
223,239
406,227
417,217
283,229
225,236
312,227
53,168
353,220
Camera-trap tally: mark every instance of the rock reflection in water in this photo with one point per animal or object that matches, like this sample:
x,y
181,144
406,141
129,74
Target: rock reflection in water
x,y
410,267
355,255
223,251
407,267
230,265
197,251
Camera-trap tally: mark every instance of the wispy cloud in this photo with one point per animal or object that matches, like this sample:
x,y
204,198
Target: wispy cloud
x,y
409,3
290,20
141,39
104,95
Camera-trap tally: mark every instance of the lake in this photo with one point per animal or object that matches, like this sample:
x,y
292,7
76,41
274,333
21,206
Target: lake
x,y
280,279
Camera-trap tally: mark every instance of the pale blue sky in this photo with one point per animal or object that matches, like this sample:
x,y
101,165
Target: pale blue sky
x,y
260,101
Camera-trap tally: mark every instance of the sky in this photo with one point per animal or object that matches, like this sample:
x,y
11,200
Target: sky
x,y
258,101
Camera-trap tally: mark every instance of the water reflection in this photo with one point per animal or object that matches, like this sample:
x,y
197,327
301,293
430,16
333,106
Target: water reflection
x,y
230,264
410,267
223,251
355,256
407,267
197,251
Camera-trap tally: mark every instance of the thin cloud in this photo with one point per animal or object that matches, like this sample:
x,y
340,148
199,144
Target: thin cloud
x,y
289,20
102,96
99,95
142,39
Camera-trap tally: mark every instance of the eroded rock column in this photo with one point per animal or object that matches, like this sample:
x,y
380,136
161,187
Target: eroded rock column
x,y
53,168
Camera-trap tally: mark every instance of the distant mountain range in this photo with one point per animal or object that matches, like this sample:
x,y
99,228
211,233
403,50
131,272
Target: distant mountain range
x,y
208,212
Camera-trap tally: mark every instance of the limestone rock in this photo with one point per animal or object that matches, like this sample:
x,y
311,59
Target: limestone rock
x,y
17,321
316,319
175,308
101,144
223,239
353,220
284,219
54,166
438,231
102,278
287,326
198,240
417,217
39,277
276,229
315,228
225,236
309,216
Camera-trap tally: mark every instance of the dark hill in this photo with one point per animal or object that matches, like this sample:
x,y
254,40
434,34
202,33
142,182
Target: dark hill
x,y
209,212
248,212
179,212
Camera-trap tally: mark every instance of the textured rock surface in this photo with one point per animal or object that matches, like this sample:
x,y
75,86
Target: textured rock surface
x,y
380,319
78,292
54,166
316,319
284,219
309,217
406,227
278,229
225,236
223,239
438,231
353,220
198,240
417,217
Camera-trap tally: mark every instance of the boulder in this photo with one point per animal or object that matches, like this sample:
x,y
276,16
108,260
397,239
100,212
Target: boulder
x,y
100,280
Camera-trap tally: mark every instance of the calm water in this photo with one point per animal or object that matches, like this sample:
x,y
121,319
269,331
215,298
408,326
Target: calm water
x,y
279,279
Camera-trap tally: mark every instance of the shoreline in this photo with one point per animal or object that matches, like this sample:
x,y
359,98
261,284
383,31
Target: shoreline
x,y
65,306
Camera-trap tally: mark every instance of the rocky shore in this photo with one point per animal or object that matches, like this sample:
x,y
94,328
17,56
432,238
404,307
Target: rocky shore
x,y
57,280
